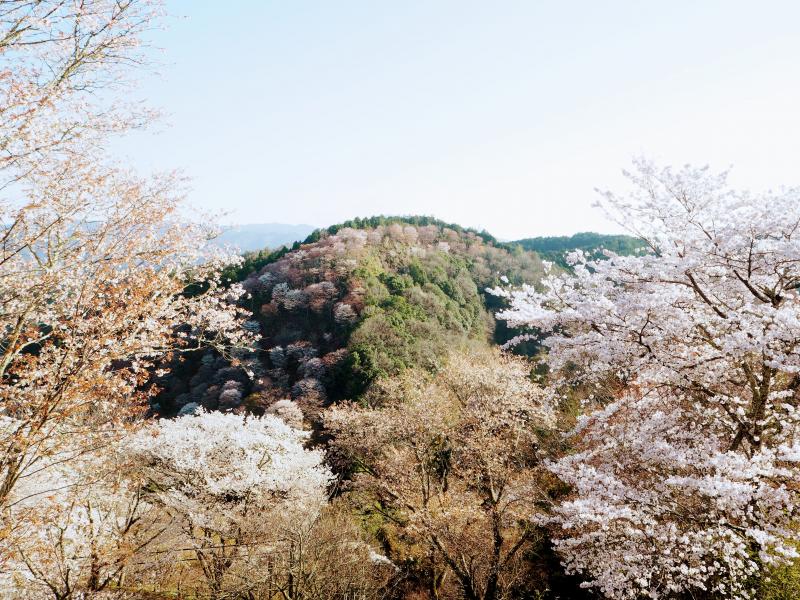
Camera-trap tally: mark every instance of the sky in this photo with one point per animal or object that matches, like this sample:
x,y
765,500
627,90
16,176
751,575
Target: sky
x,y
497,115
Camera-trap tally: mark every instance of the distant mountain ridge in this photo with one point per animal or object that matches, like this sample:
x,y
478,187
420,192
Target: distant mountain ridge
x,y
263,243
555,248
257,236
250,237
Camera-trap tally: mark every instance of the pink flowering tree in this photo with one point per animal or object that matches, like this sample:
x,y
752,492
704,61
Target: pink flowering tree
x,y
685,480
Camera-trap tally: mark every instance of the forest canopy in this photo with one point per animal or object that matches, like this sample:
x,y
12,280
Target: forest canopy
x,y
395,408
555,249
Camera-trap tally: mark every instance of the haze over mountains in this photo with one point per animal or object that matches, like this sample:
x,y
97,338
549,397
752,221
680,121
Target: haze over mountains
x,y
255,236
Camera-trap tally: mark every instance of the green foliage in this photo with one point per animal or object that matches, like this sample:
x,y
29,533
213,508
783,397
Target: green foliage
x,y
554,248
417,273
413,313
781,583
395,283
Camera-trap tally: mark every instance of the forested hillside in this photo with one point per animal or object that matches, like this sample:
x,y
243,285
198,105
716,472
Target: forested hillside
x,y
355,302
593,244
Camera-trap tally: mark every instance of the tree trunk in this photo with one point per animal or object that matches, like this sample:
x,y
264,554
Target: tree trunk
x,y
497,547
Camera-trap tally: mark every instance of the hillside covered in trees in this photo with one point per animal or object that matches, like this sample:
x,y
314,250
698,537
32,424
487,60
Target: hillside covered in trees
x,y
556,248
353,303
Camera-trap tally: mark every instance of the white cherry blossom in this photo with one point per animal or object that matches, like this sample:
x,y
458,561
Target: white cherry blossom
x,y
687,479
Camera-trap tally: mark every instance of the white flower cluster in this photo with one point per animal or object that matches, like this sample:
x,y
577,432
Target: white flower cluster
x,y
217,468
687,481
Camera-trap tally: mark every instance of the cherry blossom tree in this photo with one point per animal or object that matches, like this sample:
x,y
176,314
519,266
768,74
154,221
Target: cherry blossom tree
x,y
61,64
687,480
101,272
451,461
87,523
240,487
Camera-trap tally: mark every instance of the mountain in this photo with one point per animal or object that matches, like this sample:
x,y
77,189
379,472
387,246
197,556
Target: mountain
x,y
344,315
353,303
256,236
361,301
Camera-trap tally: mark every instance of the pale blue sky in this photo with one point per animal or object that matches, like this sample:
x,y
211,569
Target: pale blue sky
x,y
503,115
